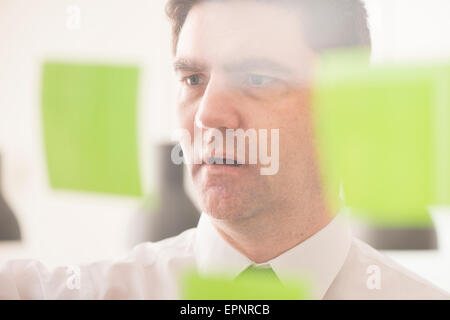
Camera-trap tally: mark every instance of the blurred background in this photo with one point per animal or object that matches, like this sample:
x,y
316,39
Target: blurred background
x,y
123,48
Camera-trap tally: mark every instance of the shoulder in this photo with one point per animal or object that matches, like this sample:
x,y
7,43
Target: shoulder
x,y
152,270
368,274
171,249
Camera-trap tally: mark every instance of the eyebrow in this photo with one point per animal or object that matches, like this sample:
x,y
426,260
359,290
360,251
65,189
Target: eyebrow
x,y
188,65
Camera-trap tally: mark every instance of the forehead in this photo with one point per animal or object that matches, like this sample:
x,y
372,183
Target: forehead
x,y
217,32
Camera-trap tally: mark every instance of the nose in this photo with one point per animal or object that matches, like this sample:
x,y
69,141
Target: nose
x,y
218,108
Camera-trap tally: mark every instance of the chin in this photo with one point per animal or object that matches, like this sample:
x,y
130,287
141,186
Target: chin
x,y
226,197
231,207
220,213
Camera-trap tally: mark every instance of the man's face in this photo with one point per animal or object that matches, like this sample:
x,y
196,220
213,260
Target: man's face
x,y
244,65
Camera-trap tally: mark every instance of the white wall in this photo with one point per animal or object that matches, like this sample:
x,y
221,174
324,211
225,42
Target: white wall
x,y
410,29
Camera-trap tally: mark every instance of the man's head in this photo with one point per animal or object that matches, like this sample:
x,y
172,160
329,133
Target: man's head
x,y
248,64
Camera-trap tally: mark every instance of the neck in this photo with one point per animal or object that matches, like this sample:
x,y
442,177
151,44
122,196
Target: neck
x,y
266,235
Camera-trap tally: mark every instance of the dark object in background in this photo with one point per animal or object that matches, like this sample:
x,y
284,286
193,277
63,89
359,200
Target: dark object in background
x,y
9,226
172,212
398,238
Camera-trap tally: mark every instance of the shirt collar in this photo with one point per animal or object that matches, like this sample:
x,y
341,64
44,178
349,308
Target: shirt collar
x,y
214,255
319,258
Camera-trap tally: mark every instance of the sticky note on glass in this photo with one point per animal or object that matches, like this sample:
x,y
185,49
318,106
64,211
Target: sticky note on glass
x,y
89,115
216,287
383,135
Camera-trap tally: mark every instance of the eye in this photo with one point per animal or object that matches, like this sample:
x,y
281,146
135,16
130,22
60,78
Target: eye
x,y
256,80
194,80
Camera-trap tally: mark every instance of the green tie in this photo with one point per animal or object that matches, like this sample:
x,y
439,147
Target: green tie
x,y
263,273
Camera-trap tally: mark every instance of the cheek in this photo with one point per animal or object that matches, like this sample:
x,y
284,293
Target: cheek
x,y
297,116
186,115
295,133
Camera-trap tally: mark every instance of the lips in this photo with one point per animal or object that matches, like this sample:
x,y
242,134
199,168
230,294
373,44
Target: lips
x,y
221,161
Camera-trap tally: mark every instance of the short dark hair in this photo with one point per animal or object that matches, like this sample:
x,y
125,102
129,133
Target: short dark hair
x,y
327,23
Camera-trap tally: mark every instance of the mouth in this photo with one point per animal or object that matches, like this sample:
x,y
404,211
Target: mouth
x,y
222,161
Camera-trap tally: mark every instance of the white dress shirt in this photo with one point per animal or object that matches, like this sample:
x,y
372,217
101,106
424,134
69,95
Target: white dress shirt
x,y
339,267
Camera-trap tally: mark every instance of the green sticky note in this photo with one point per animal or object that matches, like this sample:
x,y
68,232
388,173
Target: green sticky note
x,y
383,135
255,287
89,115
